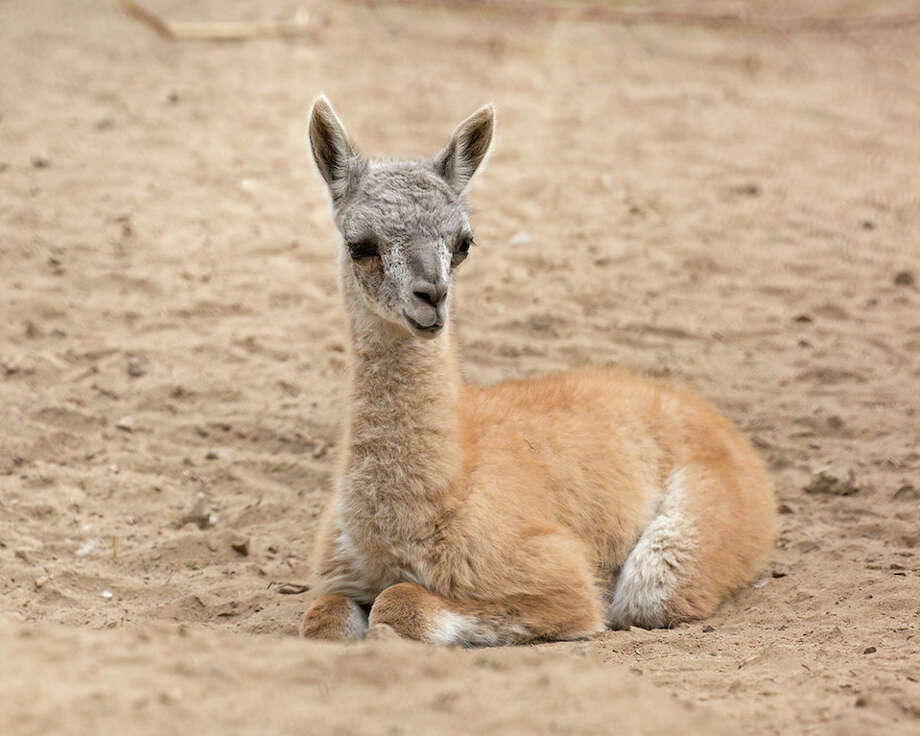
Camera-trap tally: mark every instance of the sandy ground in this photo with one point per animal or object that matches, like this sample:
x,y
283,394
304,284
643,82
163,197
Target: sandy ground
x,y
735,208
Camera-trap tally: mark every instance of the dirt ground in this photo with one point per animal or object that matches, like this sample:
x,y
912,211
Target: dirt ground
x,y
735,207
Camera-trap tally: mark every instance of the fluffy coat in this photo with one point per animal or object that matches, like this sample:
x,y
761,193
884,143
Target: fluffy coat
x,y
531,510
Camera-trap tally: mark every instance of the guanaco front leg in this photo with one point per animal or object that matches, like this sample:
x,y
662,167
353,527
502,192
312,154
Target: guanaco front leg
x,y
333,616
416,613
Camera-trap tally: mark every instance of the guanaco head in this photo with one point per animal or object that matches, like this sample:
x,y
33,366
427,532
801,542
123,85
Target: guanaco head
x,y
405,225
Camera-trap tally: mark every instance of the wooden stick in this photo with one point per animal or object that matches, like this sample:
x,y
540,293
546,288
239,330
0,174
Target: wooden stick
x,y
664,16
231,31
149,18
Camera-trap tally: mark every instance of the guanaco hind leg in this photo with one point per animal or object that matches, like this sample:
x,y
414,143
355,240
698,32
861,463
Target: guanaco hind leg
x,y
684,563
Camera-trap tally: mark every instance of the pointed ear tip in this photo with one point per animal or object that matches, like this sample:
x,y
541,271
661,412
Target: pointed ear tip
x,y
485,115
320,104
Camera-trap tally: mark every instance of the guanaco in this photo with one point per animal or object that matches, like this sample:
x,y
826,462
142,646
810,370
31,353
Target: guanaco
x,y
539,509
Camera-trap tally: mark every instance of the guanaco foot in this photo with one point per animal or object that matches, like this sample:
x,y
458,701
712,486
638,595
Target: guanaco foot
x,y
413,613
332,617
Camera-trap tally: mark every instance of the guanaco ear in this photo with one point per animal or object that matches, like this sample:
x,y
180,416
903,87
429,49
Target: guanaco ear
x,y
467,148
336,158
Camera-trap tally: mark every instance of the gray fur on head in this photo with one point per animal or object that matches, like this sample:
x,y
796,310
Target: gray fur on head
x,y
405,225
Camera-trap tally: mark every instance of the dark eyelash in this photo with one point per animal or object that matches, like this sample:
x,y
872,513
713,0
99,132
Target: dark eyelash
x,y
363,249
466,242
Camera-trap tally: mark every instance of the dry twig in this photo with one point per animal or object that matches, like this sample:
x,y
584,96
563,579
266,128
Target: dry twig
x,y
664,16
225,31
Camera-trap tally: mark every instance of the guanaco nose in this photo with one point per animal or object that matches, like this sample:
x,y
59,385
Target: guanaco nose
x,y
430,292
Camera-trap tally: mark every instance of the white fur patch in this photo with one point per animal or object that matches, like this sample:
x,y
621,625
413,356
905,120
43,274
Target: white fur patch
x,y
457,628
354,626
656,567
352,578
451,628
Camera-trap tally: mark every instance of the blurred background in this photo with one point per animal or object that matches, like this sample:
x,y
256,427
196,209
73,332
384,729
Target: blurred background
x,y
723,193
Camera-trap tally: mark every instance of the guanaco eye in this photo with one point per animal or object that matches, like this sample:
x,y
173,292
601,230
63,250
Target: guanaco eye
x,y
463,247
363,249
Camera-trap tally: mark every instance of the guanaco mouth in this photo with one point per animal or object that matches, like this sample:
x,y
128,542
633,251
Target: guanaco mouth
x,y
423,330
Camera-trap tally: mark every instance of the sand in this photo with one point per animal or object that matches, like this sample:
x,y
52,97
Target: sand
x,y
736,208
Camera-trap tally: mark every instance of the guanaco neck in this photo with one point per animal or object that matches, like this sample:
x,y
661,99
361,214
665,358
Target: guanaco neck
x,y
402,452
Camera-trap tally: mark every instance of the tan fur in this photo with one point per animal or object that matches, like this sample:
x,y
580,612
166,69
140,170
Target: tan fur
x,y
506,514
335,617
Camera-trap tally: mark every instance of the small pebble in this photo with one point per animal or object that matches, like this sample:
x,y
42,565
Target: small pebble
x,y
136,367
87,548
522,237
748,190
708,629
869,650
825,482
835,422
125,424
292,588
40,581
200,514
240,546
107,594
785,508
904,278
